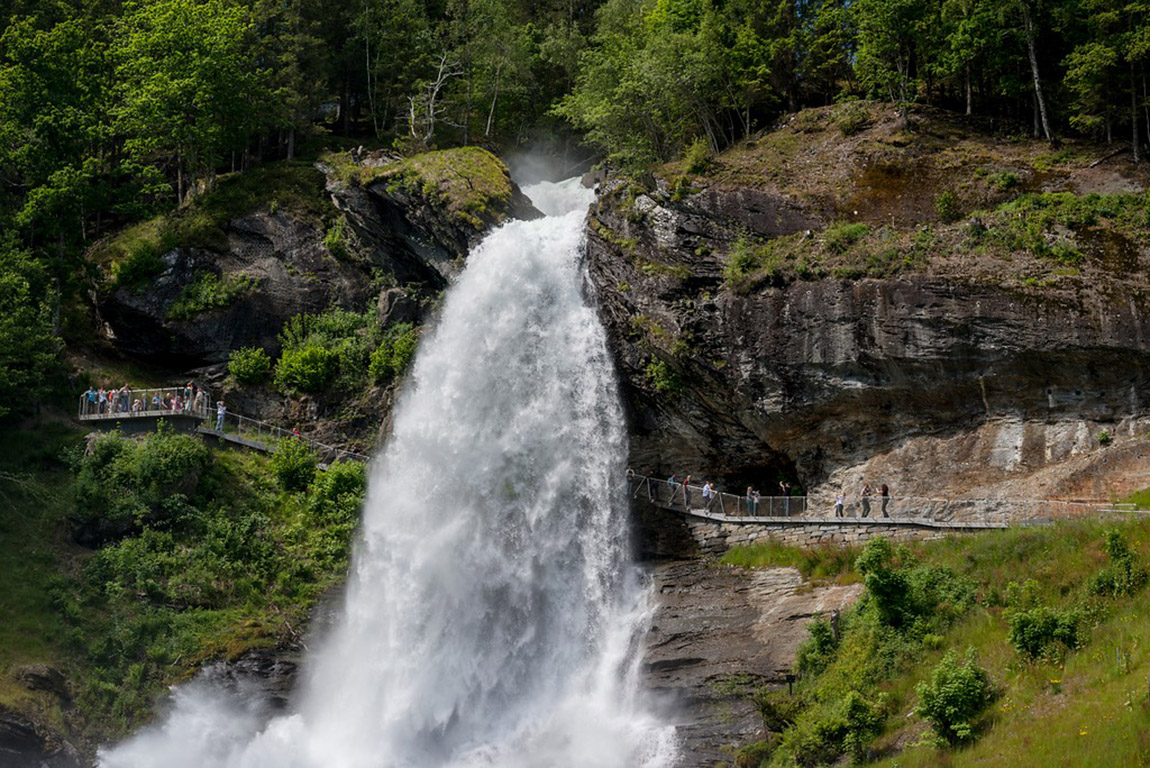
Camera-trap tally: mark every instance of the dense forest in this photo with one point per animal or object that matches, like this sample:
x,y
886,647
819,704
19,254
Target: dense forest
x,y
110,111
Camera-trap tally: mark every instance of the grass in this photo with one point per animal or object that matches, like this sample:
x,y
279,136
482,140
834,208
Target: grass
x,y
207,291
823,563
1089,707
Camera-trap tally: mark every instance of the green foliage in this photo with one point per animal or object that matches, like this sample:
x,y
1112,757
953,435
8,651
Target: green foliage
x,y
909,596
853,118
294,464
955,695
816,563
324,350
336,239
1104,437
1124,576
947,207
662,378
395,352
1002,181
307,369
816,653
249,365
207,292
28,348
840,237
122,484
697,158
1043,630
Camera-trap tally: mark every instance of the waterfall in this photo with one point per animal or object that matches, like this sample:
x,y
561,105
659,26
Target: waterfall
x,y
491,616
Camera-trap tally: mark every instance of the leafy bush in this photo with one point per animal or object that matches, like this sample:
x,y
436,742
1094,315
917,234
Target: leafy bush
x,y
697,158
123,484
1002,181
1104,437
1123,576
294,464
743,259
853,118
249,365
816,653
909,597
946,205
308,369
336,239
662,377
840,237
955,696
1043,630
849,725
207,291
394,353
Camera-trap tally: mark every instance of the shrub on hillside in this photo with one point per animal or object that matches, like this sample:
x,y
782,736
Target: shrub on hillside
x,y
294,464
249,365
123,484
394,353
697,158
1124,576
946,205
816,653
307,369
954,696
1043,630
909,597
840,237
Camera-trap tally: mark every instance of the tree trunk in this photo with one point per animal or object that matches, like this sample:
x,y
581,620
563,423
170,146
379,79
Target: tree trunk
x,y
291,144
1032,54
969,92
1134,138
491,112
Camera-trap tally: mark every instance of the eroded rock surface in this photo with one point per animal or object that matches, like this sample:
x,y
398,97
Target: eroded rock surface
x,y
717,624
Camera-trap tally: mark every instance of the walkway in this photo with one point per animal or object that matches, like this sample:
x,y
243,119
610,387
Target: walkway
x,y
152,405
920,512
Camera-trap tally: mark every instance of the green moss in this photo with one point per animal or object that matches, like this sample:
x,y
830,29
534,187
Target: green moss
x,y
207,292
470,182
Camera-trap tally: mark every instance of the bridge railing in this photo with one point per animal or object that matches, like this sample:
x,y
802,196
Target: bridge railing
x,y
900,508
128,403
266,436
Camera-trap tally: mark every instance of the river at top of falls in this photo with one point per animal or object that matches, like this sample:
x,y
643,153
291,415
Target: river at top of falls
x,y
492,617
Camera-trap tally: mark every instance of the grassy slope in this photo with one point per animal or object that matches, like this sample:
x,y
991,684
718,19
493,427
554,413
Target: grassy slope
x,y
1090,709
52,614
946,198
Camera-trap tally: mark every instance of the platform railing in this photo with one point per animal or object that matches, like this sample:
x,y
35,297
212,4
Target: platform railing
x,y
962,511
126,403
130,403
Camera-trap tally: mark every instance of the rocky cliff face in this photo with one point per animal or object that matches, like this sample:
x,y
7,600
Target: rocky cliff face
x,y
960,372
374,219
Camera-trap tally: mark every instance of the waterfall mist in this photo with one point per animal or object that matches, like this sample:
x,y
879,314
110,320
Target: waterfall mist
x,y
491,616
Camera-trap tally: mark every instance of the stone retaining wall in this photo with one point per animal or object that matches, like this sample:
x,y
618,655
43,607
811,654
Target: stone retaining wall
x,y
715,538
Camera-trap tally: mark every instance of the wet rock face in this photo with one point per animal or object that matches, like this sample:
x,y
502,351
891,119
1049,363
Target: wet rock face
x,y
719,632
23,745
811,377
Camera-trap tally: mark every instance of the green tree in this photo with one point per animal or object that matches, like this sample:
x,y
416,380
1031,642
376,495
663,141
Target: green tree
x,y
189,89
888,41
28,349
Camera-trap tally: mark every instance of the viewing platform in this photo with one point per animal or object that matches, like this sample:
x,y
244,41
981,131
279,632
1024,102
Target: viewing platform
x,y
136,411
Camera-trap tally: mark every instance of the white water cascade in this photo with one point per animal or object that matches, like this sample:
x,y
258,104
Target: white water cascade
x,y
491,616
